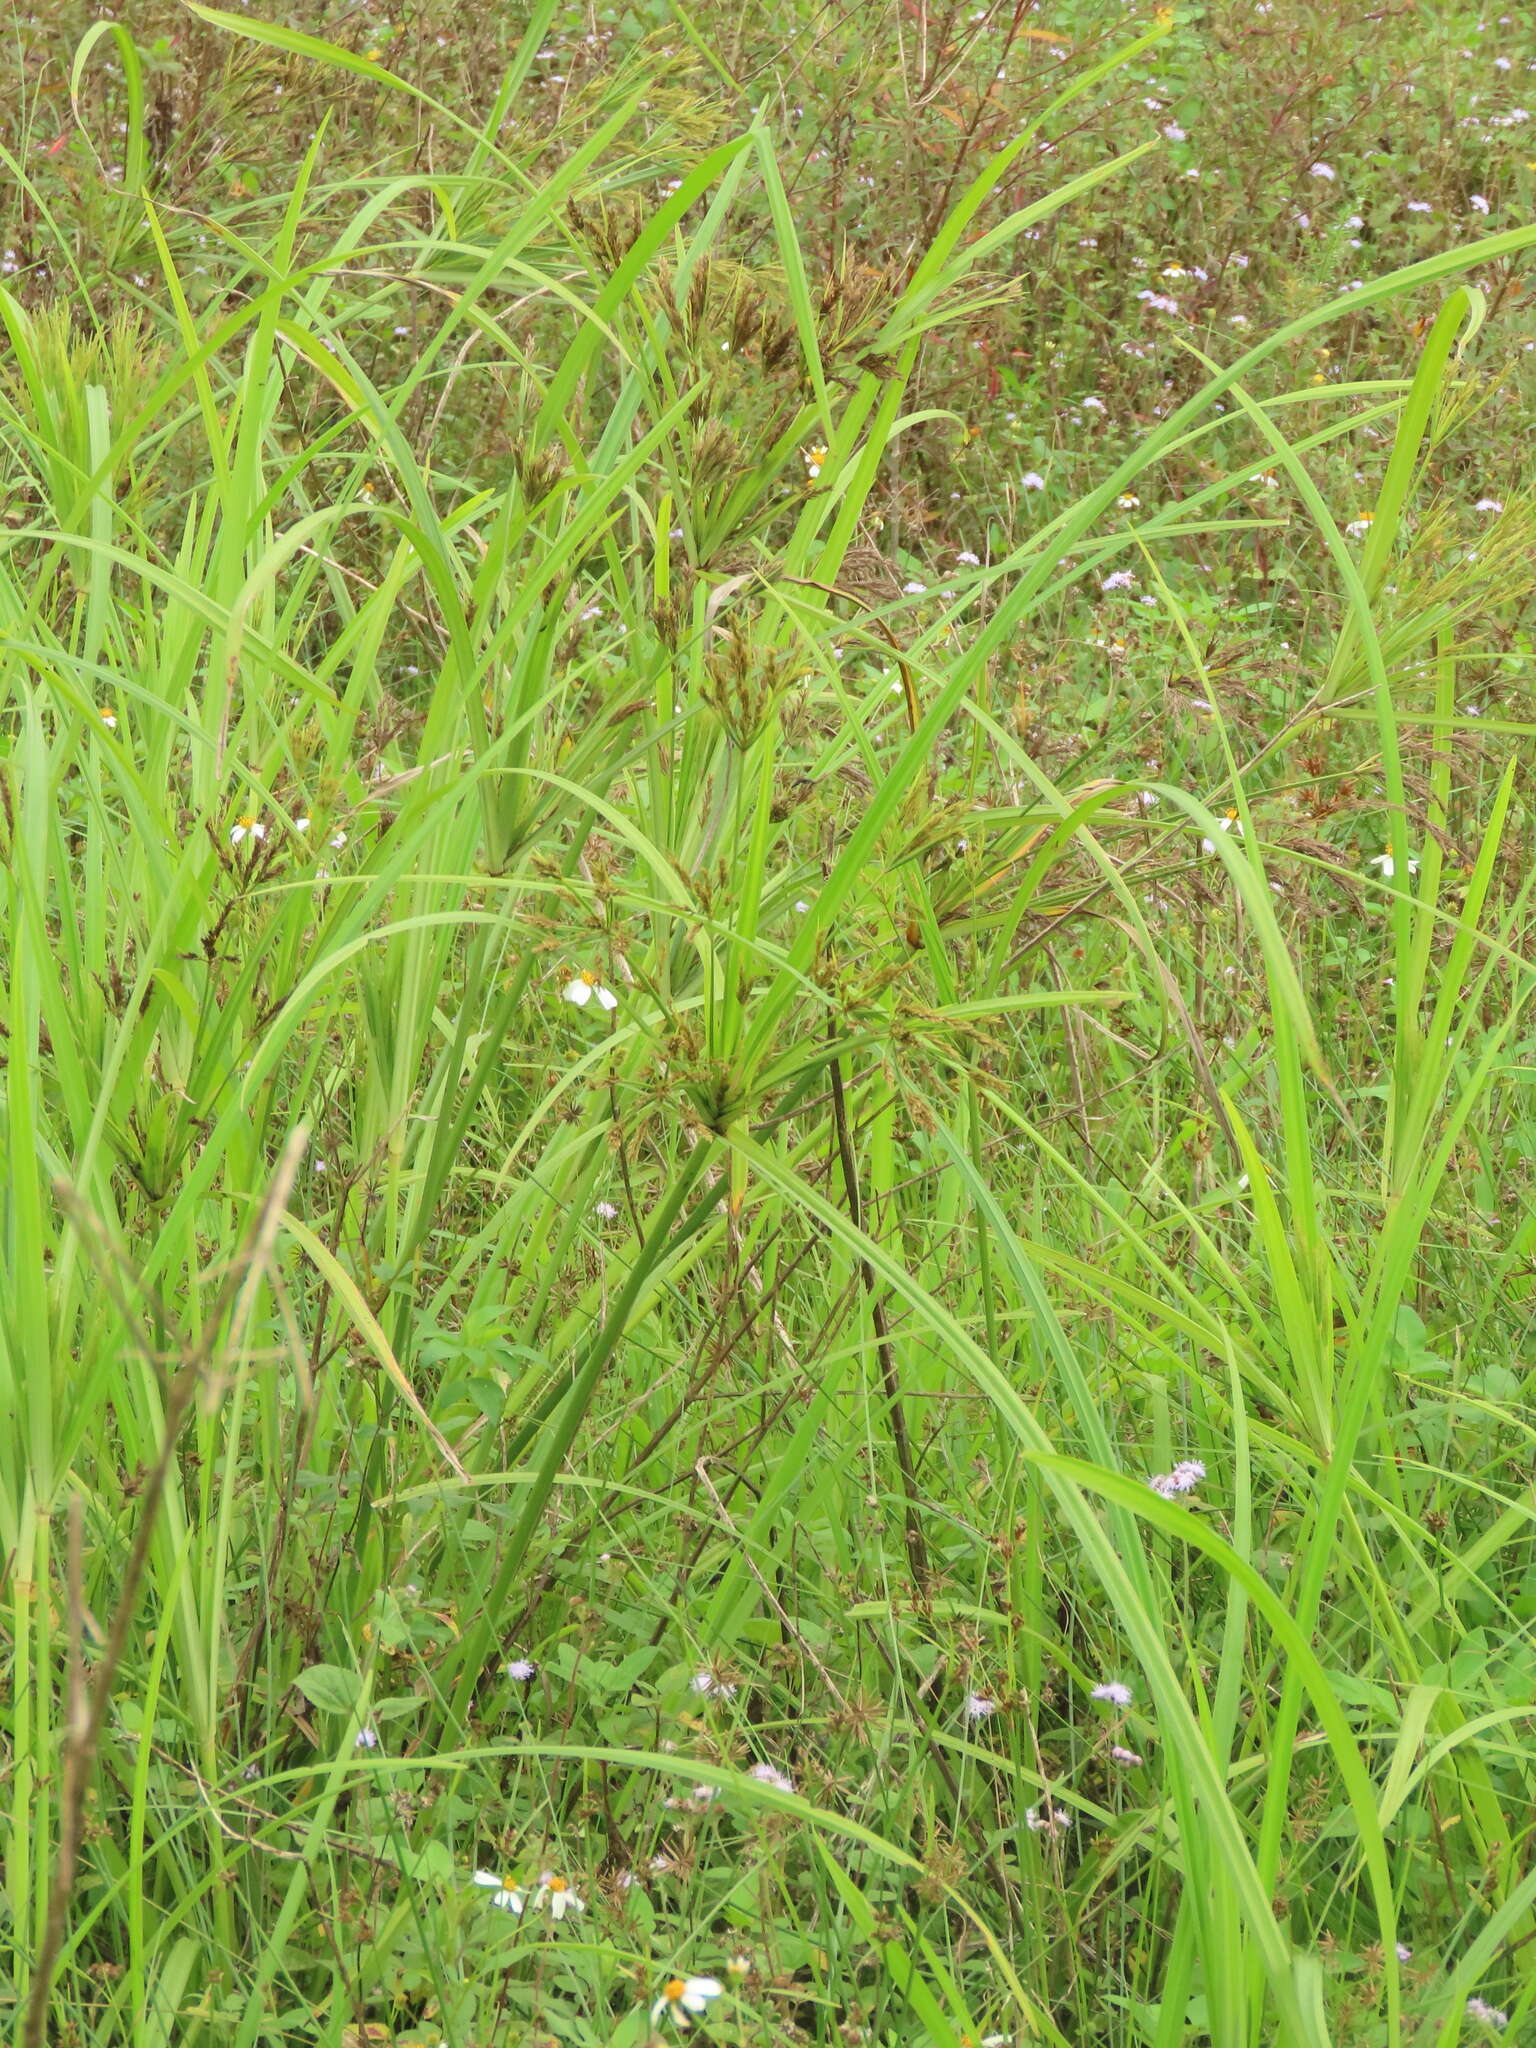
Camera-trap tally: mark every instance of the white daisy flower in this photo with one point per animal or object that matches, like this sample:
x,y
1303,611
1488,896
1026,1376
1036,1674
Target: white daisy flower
x,y
1362,525
711,1686
1230,823
1045,1820
246,828
1388,865
108,719
504,1891
584,987
555,1892
1128,502
681,1996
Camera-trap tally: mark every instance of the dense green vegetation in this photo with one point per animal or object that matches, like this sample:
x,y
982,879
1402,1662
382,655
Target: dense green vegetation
x,y
767,1259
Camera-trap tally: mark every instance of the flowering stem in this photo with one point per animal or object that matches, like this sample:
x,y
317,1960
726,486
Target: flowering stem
x,y
917,1550
568,1418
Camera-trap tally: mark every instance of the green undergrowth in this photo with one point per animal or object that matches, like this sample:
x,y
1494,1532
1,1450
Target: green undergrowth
x,y
765,1052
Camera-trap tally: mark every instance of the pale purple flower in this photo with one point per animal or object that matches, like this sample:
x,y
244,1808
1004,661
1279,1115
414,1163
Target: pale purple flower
x,y
1489,505
978,1706
1322,170
1174,132
1478,203
1045,1819
1117,1694
1118,579
770,1774
1032,480
521,1669
1184,1477
1125,1756
1404,1952
1490,2015
366,1738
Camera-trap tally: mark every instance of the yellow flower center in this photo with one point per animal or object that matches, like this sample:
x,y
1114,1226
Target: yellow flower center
x,y
509,1884
673,1990
1231,817
558,1884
